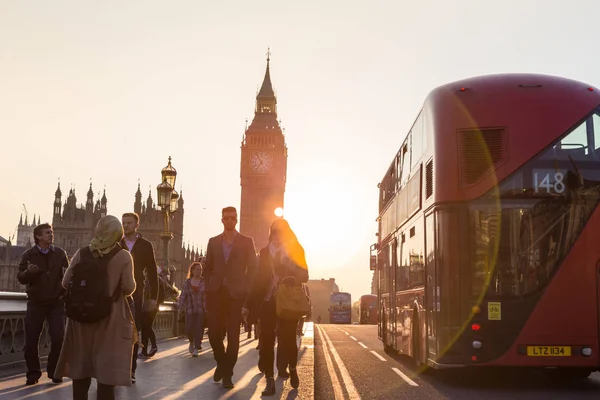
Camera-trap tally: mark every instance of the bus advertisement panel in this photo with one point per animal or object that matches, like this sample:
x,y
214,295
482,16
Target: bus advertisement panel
x,y
340,308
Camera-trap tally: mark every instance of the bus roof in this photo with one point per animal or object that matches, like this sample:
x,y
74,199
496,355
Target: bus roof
x,y
531,110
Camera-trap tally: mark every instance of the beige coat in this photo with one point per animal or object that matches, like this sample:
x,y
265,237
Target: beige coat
x,y
103,349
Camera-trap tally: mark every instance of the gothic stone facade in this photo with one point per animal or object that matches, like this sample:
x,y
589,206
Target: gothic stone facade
x,y
74,227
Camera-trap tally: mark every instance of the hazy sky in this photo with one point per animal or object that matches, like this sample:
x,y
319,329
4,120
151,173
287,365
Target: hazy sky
x,y
108,90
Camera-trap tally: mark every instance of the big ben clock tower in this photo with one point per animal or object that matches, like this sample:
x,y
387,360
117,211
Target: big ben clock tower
x,y
263,167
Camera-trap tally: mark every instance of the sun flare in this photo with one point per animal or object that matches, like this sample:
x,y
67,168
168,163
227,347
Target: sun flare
x,y
326,228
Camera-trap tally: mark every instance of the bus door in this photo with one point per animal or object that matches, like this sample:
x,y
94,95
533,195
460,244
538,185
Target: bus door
x,y
387,315
432,292
393,279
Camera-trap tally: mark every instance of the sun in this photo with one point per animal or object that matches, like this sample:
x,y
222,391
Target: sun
x,y
323,214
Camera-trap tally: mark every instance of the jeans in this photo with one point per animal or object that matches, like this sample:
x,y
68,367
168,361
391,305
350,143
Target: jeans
x,y
82,386
285,330
54,314
224,314
147,331
194,328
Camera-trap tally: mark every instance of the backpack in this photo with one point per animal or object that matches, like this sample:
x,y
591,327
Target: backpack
x,y
87,299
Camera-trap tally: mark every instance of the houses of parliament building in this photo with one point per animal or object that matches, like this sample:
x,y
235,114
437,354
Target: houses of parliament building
x,y
74,225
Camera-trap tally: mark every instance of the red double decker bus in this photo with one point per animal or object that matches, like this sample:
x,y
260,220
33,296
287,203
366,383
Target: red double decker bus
x,y
487,251
368,309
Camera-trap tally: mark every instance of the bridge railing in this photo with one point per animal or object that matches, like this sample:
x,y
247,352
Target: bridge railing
x,y
13,306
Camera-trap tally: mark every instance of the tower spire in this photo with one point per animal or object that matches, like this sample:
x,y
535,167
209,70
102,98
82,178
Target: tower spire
x,y
266,90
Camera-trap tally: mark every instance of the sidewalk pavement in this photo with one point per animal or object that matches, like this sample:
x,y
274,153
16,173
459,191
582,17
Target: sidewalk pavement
x,y
173,374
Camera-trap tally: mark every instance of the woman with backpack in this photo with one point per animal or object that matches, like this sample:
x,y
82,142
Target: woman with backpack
x,y
193,303
100,331
282,270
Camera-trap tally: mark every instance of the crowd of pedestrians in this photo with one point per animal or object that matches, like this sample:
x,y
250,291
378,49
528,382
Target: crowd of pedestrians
x,y
111,289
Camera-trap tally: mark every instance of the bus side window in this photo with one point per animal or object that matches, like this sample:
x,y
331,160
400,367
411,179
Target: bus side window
x,y
596,126
400,284
404,276
417,134
417,264
405,161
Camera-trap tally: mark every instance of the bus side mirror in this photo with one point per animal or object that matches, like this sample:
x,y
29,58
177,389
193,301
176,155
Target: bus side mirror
x,y
373,257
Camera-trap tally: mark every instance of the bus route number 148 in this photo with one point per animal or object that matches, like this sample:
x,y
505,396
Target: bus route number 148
x,y
549,182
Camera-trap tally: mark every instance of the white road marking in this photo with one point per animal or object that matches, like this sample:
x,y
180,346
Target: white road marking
x,y
352,337
346,333
406,378
363,345
337,389
350,388
376,354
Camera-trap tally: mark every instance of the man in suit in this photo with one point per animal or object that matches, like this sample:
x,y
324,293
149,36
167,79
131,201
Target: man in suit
x,y
230,265
144,264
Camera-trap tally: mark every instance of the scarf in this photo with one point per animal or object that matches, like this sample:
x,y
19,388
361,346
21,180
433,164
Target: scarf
x,y
108,234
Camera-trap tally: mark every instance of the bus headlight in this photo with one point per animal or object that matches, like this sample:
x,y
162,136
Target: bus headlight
x,y
586,351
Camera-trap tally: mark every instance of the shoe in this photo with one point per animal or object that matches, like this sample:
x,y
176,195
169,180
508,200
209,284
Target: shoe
x,y
153,351
270,388
143,356
195,353
227,383
31,381
191,348
57,380
132,377
218,376
294,379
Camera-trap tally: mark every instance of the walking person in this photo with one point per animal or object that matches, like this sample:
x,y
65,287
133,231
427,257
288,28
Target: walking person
x,y
42,268
282,267
148,317
103,348
230,264
144,265
193,302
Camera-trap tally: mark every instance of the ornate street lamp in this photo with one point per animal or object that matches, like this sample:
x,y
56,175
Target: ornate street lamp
x,y
168,202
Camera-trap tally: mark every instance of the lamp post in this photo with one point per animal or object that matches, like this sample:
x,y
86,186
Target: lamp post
x,y
168,202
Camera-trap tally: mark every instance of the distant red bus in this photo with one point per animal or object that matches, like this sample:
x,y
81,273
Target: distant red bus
x,y
368,309
487,251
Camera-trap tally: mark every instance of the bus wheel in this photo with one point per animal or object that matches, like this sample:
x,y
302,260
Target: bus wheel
x,y
416,340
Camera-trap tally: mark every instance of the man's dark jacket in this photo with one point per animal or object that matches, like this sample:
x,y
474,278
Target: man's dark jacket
x,y
234,275
45,285
143,259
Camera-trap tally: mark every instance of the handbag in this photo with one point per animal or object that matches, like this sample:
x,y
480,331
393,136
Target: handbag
x,y
291,302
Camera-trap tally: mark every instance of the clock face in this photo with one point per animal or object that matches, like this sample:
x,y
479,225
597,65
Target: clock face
x,y
261,162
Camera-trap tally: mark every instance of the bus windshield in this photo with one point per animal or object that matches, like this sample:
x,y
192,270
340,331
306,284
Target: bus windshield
x,y
522,229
